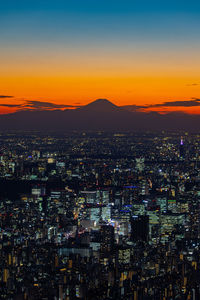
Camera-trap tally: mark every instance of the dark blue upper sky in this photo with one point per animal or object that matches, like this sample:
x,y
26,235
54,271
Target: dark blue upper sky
x,y
103,6
92,19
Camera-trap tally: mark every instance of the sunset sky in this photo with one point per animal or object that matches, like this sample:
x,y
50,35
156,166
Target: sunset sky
x,y
68,53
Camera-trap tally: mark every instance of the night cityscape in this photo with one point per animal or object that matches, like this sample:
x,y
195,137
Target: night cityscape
x,y
99,150
100,215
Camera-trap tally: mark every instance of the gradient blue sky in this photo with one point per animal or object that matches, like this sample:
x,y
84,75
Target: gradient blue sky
x,y
102,6
147,42
87,18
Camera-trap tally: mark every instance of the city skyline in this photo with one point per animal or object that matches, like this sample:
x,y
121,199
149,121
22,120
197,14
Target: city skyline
x,y
99,215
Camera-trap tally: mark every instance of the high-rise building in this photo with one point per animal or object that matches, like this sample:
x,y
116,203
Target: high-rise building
x,y
107,239
90,196
140,164
139,228
181,149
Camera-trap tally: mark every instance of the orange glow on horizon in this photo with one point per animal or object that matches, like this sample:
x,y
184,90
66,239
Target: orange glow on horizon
x,y
80,90
126,75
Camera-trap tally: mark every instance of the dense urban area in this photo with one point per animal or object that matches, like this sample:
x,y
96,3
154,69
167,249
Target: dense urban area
x,y
100,216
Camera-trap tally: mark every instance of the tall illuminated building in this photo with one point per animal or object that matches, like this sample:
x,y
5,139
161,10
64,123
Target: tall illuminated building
x,y
181,149
107,239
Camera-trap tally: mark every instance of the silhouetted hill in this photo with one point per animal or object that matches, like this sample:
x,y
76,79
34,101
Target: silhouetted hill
x,y
101,105
98,115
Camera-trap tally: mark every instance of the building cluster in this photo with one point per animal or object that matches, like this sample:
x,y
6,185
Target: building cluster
x,y
100,216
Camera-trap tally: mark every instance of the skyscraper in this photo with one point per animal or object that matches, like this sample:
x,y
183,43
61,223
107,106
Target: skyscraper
x,y
107,239
139,228
181,149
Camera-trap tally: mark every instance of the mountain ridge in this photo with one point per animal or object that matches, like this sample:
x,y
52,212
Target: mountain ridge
x,y
100,114
101,105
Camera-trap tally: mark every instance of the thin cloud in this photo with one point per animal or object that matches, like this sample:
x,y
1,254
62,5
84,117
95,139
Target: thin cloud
x,y
182,103
133,107
194,102
192,84
162,107
5,96
40,105
10,105
37,105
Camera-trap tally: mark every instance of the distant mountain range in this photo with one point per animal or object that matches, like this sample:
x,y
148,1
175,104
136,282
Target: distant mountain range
x,y
98,115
